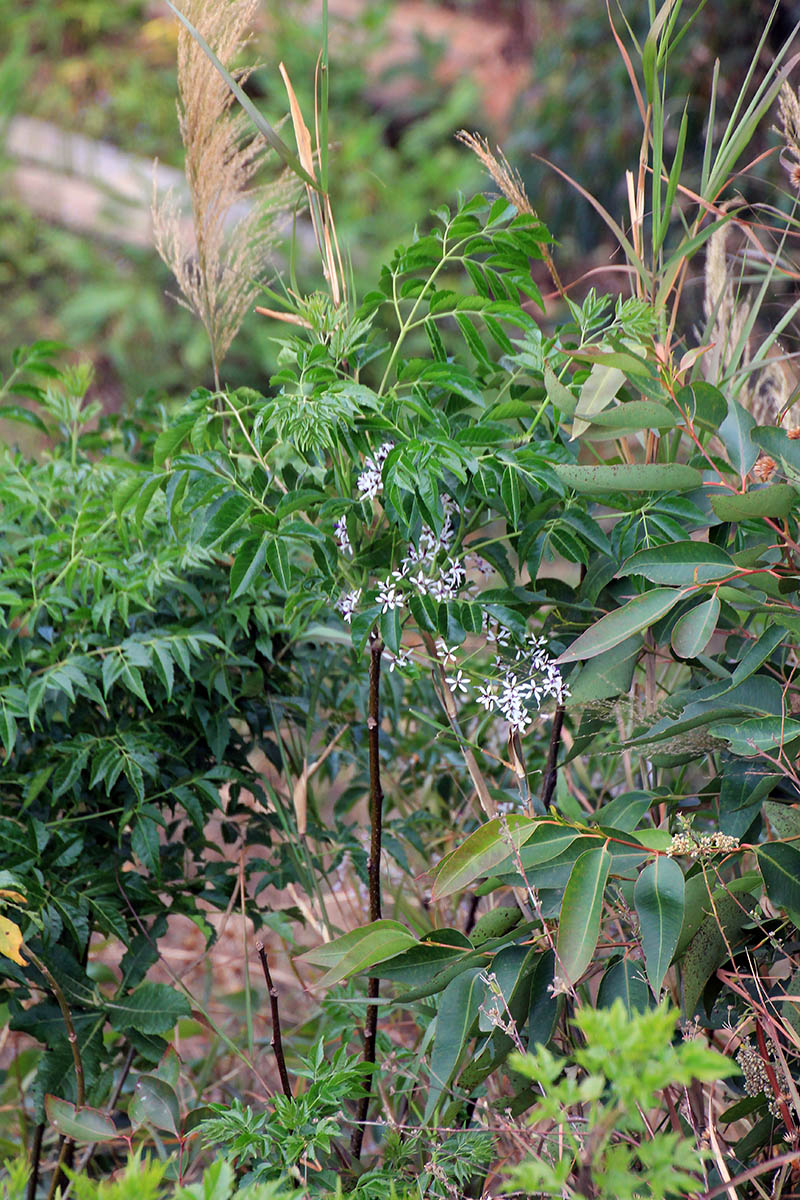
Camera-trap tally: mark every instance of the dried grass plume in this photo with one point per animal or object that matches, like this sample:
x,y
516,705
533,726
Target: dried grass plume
x,y
510,183
219,265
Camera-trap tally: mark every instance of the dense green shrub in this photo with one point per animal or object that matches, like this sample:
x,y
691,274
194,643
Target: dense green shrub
x,y
129,690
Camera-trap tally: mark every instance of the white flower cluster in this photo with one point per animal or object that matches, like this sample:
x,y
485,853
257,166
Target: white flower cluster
x,y
370,481
342,537
534,677
701,845
348,604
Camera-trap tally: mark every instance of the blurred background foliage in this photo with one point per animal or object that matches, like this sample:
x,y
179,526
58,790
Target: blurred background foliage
x,y
405,76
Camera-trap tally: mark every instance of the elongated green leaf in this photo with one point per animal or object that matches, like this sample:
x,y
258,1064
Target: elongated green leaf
x,y
631,417
596,394
480,853
458,1011
717,934
262,125
659,900
775,501
784,819
607,675
639,613
510,492
559,395
154,1102
278,563
680,563
624,981
248,564
754,734
81,1124
629,477
758,653
359,950
735,434
780,868
419,964
777,443
581,910
171,439
16,412
693,631
625,811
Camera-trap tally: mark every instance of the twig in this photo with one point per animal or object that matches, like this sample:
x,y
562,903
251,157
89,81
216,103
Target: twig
x,y
72,1037
752,1173
36,1156
551,767
276,1042
374,872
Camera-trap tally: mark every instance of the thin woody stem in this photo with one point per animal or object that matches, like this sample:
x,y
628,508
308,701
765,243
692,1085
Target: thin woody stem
x,y
277,1042
374,872
72,1038
551,767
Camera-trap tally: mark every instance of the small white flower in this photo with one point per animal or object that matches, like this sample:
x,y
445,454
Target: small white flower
x,y
347,605
487,696
457,683
400,660
448,653
388,596
383,453
369,482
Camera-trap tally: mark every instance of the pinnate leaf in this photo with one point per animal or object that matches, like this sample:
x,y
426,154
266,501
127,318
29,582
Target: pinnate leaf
x,y
151,1008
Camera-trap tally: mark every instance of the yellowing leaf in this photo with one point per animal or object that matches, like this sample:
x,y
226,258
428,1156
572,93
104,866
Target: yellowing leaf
x,y
8,894
11,941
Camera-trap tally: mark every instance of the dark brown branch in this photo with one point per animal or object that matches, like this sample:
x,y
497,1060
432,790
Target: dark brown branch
x,y
277,1042
551,767
374,873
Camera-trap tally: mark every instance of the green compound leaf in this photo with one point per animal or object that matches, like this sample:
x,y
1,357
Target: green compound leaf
x,y
659,898
581,910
